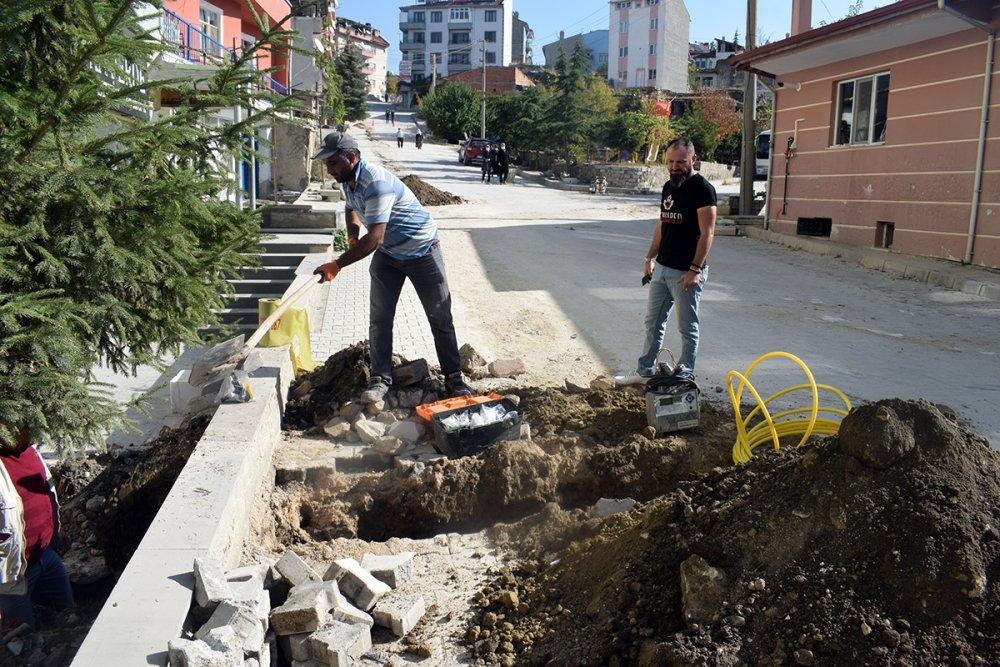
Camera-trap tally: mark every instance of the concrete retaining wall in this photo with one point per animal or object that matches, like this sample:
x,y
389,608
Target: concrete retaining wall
x,y
206,513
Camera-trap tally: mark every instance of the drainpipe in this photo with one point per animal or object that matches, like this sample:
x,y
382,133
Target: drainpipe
x,y
984,122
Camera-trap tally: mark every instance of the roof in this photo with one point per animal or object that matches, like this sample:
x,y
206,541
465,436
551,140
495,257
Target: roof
x,y
897,24
434,4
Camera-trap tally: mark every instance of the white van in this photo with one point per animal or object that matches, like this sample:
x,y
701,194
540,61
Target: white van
x,y
763,147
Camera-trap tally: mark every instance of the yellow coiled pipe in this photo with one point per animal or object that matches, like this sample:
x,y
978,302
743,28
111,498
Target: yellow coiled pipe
x,y
804,421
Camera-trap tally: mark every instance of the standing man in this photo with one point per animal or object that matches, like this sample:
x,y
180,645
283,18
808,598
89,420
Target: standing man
x,y
399,137
404,239
677,261
31,572
502,163
387,114
487,164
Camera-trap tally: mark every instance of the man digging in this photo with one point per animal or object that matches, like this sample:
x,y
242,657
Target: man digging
x,y
404,239
677,262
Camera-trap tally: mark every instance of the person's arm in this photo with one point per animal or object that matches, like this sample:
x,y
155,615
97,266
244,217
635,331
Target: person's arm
x,y
353,228
654,249
706,223
378,209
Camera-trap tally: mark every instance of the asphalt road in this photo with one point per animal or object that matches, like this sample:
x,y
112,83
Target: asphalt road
x,y
872,335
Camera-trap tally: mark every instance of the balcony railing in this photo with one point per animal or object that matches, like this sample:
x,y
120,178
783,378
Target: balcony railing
x,y
196,46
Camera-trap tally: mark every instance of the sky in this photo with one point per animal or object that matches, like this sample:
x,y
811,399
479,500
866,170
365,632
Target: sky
x,y
709,18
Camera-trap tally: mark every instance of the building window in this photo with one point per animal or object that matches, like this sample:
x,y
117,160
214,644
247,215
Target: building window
x,y
652,74
459,38
490,36
491,57
862,104
459,14
436,17
622,51
654,24
602,59
435,38
418,17
883,234
418,38
210,19
458,59
623,76
491,16
623,26
652,49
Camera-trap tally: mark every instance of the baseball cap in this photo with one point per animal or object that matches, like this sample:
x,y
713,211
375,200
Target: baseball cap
x,y
333,142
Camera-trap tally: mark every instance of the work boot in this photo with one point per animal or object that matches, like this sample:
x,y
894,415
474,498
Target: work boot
x,y
378,387
454,385
630,379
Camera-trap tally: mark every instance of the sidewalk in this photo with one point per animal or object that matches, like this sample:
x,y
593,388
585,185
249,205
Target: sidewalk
x,y
343,317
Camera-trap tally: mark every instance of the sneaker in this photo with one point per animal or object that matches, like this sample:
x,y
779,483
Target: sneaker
x,y
454,385
376,391
630,379
684,373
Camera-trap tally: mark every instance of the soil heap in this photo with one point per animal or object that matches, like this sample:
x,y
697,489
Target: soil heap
x,y
877,546
427,194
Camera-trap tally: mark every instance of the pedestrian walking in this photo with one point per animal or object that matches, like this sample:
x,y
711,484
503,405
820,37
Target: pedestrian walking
x,y
487,164
31,571
677,262
392,116
418,140
399,137
402,238
387,115
502,163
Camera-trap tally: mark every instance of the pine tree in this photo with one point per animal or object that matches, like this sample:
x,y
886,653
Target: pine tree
x,y
569,121
353,82
334,109
114,243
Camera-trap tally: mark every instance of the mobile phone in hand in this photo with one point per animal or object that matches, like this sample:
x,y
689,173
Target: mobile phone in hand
x,y
646,280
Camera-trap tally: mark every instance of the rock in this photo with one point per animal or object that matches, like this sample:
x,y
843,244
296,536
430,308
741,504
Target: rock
x,y
369,431
387,445
351,411
356,583
399,613
804,656
602,383
410,466
757,584
509,599
302,389
422,650
352,437
242,618
296,647
306,608
507,368
408,431
736,621
187,653
337,428
606,507
410,398
649,432
294,570
513,398
339,644
375,409
95,505
702,589
469,359
411,373
210,585
386,418
392,570
977,587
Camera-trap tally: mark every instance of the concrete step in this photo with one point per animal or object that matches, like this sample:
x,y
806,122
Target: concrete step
x,y
261,286
289,259
286,247
297,230
276,273
247,316
250,300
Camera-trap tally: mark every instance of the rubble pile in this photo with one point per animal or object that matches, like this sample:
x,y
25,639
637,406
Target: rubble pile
x,y
876,546
248,615
427,194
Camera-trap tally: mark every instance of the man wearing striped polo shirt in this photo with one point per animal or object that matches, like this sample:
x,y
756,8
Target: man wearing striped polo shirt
x,y
404,239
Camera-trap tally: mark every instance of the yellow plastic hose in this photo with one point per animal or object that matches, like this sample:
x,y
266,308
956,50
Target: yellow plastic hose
x,y
804,421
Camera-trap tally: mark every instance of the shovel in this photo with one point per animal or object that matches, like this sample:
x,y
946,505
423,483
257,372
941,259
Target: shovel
x,y
222,359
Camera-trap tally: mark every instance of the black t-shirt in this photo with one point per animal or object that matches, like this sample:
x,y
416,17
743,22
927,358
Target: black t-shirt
x,y
679,220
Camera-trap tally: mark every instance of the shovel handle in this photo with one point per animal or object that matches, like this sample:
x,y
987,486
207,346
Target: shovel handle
x,y
266,325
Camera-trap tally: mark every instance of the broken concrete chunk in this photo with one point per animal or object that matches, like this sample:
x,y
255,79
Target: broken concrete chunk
x,y
702,589
411,373
296,646
224,639
410,398
187,653
356,583
306,608
606,507
388,445
351,411
399,613
386,418
337,428
373,410
242,618
345,612
340,644
470,360
210,585
294,570
507,368
393,569
408,430
369,431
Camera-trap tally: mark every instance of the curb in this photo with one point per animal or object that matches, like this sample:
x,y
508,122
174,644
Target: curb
x,y
206,513
939,273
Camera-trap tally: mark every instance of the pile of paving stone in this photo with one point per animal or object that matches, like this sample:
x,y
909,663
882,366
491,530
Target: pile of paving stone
x,y
254,614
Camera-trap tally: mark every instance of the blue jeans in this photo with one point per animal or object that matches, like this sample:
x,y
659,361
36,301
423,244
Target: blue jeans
x,y
431,284
48,586
664,291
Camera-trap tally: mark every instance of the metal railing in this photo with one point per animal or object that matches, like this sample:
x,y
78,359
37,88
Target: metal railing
x,y
194,45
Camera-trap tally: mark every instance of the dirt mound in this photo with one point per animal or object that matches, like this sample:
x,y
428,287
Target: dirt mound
x,y
877,546
316,396
427,194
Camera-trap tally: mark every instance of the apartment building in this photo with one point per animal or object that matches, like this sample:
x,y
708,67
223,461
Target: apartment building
x,y
454,36
648,44
594,42
712,69
523,42
374,48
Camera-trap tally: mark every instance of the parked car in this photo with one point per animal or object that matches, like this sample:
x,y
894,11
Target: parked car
x,y
470,151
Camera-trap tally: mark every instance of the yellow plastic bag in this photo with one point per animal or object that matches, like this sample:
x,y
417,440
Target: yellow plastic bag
x,y
291,329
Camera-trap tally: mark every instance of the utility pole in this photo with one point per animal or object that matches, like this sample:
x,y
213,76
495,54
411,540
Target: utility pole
x,y
748,162
482,44
434,73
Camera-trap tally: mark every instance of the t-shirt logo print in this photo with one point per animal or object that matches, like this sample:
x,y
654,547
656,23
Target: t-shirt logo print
x,y
668,202
667,214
